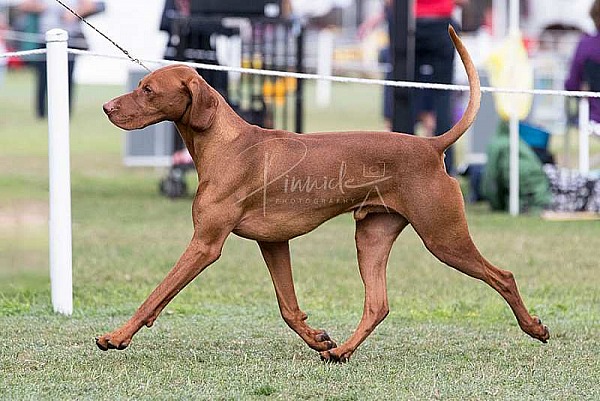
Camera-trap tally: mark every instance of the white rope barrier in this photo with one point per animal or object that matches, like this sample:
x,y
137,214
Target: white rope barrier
x,y
365,81
24,53
333,78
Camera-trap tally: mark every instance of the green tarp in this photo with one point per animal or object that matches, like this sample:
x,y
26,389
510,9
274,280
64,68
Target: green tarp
x,y
534,190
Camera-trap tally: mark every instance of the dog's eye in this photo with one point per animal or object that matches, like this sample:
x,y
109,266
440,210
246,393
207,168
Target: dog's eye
x,y
146,89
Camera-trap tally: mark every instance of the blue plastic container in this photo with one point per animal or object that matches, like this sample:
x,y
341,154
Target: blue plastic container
x,y
535,137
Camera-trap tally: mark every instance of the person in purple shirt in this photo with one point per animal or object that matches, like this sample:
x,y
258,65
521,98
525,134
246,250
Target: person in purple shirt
x,y
585,67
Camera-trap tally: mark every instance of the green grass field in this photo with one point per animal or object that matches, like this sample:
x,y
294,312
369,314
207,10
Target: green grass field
x,y
447,336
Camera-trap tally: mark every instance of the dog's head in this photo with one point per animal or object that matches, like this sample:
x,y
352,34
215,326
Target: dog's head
x,y
175,93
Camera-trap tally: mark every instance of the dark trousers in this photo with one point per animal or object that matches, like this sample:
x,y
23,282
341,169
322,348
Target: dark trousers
x,y
434,63
41,101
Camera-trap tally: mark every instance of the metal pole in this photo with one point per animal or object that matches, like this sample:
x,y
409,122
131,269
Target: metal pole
x,y
514,125
513,194
499,19
299,126
403,61
59,172
514,17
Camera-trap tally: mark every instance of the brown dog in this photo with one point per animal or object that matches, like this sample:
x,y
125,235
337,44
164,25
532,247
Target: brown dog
x,y
271,186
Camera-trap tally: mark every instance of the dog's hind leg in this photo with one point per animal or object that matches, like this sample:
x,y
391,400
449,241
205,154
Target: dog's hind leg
x,y
277,258
375,235
441,224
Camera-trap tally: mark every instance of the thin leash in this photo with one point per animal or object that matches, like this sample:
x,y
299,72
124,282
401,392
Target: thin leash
x,y
135,60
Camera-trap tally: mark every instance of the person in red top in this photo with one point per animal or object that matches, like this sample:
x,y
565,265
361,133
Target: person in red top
x,y
434,63
434,8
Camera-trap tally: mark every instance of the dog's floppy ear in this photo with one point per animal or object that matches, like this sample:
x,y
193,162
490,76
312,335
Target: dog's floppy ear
x,y
203,106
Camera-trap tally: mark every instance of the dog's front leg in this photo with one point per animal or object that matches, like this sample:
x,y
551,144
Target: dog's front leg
x,y
277,258
201,252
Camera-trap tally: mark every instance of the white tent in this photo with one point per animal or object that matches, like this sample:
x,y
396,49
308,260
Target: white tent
x,y
133,24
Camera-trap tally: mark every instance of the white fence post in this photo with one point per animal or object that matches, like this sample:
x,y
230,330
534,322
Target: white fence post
x,y
584,135
61,279
324,66
514,203
514,196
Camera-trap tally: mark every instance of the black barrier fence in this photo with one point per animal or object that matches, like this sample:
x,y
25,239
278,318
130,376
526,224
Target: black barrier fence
x,y
262,43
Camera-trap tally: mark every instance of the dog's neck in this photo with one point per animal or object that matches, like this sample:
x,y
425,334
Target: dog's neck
x,y
226,127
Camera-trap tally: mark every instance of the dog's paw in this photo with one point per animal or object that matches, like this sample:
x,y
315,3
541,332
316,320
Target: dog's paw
x,y
542,332
537,330
322,341
334,355
111,341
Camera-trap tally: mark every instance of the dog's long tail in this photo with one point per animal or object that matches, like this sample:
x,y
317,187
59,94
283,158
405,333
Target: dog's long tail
x,y
443,141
